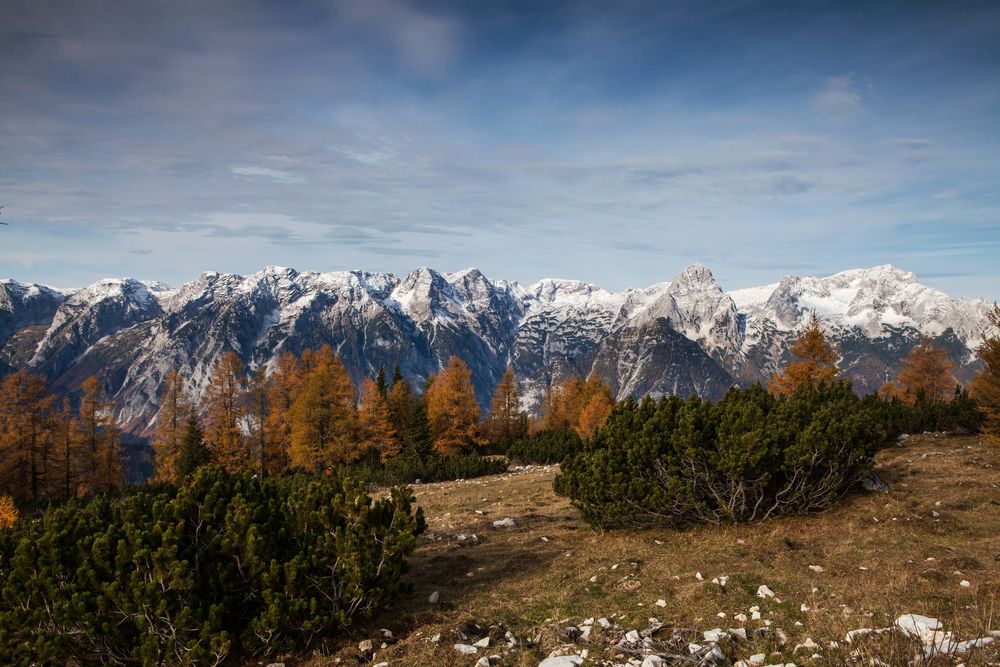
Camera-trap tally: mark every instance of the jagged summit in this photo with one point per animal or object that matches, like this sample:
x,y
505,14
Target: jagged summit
x,y
686,335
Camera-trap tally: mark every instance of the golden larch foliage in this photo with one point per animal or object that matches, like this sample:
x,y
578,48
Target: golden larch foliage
x,y
378,435
99,437
25,435
566,401
223,414
926,371
170,425
985,387
68,453
282,390
815,361
594,415
452,410
8,512
324,419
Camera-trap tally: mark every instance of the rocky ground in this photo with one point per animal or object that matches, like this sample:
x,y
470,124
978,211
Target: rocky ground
x,y
508,574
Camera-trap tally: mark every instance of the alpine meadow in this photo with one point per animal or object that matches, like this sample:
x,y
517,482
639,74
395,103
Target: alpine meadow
x,y
756,423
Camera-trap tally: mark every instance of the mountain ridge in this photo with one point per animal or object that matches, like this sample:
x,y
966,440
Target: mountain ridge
x,y
685,336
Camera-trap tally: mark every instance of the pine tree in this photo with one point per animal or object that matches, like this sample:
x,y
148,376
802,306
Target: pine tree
x,y
99,434
324,417
194,453
25,435
417,435
594,414
170,425
815,362
378,435
223,414
282,390
506,422
985,386
452,410
926,373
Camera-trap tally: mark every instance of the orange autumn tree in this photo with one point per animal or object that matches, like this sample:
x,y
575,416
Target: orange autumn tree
x,y
170,425
506,421
926,372
223,414
25,437
577,405
282,389
67,455
985,387
324,419
99,437
815,361
378,435
452,410
594,414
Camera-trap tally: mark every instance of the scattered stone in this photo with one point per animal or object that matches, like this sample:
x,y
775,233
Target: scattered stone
x,y
604,623
917,626
632,636
964,583
740,633
816,568
764,592
562,661
466,649
504,523
661,603
808,645
740,618
654,661
434,597
697,575
365,646
715,635
483,643
593,579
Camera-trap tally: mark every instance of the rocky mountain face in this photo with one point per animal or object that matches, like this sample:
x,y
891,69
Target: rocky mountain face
x,y
686,336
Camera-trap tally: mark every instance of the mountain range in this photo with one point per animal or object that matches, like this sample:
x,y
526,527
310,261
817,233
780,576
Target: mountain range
x,y
686,336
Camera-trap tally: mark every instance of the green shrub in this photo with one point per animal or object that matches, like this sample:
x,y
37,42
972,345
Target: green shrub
x,y
408,468
545,447
226,564
961,414
748,457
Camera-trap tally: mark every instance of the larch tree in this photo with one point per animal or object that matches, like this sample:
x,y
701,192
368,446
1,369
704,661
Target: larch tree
x,y
25,435
506,421
99,435
452,410
926,373
170,425
68,452
223,414
378,435
562,405
594,414
282,389
324,417
814,361
985,387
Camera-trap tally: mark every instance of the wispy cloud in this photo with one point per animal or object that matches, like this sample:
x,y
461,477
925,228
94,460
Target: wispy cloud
x,y
276,175
839,98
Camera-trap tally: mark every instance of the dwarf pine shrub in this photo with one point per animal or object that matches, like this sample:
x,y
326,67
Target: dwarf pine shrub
x,y
745,458
226,564
545,447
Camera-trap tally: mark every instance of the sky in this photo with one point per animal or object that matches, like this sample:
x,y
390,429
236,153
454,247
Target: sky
x,y
611,142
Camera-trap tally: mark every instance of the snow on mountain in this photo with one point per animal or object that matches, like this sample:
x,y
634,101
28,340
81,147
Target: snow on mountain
x,y
684,336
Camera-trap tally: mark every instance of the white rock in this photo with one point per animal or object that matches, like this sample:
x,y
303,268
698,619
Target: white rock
x,y
604,623
764,592
632,636
803,607
661,603
740,618
434,597
917,626
504,523
816,568
697,575
653,661
483,643
739,632
964,583
714,635
466,649
757,659
808,645
562,661
593,579
755,616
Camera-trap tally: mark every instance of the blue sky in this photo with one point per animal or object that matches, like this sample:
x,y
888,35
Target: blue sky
x,y
609,142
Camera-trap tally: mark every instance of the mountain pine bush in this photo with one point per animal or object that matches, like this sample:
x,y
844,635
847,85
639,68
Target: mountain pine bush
x,y
545,447
745,458
226,564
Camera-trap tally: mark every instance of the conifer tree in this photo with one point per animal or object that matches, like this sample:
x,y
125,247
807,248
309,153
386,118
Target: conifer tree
x,y
927,373
562,405
380,384
452,411
68,454
378,434
400,401
594,414
417,435
506,421
282,390
194,453
170,425
815,361
985,386
99,434
324,417
223,414
25,435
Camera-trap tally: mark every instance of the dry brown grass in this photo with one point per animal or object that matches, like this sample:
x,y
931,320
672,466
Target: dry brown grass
x,y
514,580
